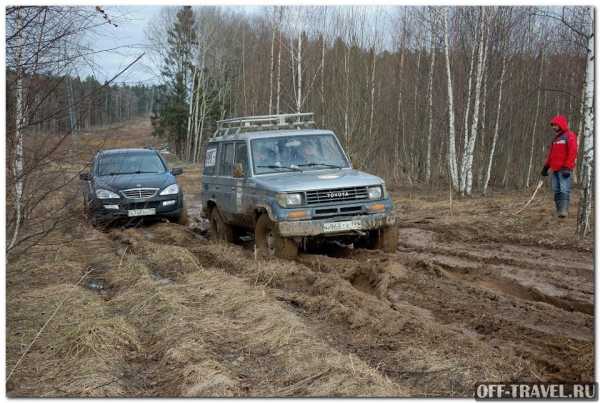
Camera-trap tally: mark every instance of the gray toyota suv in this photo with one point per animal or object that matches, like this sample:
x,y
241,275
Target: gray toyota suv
x,y
291,185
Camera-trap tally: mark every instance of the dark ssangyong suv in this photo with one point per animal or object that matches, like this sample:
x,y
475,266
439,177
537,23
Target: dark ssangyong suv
x,y
131,182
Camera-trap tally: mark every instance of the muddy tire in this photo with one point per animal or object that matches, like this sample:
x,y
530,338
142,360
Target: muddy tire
x,y
219,230
385,239
86,209
270,243
388,239
183,218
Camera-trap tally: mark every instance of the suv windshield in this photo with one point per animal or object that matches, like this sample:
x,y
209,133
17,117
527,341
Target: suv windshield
x,y
295,153
130,163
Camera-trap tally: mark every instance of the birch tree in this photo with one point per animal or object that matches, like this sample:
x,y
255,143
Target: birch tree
x,y
19,120
488,172
452,165
535,119
432,17
583,218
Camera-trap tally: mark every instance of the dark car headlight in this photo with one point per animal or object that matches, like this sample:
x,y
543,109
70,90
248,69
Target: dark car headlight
x,y
170,190
106,194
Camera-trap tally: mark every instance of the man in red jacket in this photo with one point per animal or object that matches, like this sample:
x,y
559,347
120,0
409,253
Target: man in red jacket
x,y
561,160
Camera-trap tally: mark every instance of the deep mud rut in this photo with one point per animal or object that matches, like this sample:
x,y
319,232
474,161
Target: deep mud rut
x,y
470,297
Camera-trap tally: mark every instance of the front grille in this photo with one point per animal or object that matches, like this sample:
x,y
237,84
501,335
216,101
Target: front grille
x,y
139,193
334,195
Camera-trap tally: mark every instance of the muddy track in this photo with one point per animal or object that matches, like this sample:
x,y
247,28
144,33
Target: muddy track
x,y
420,322
244,366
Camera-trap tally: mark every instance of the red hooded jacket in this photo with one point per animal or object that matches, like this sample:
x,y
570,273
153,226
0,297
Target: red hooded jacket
x,y
563,150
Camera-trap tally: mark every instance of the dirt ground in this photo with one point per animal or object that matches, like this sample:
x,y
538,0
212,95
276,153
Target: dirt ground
x,y
473,293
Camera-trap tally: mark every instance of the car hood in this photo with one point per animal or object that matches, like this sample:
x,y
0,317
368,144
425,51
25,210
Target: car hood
x,y
317,180
120,182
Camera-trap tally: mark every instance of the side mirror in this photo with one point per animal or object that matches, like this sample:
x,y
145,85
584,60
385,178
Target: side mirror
x,y
176,171
238,171
84,176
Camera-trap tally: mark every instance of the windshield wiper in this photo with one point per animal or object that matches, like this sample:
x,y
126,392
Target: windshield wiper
x,y
312,164
278,167
131,173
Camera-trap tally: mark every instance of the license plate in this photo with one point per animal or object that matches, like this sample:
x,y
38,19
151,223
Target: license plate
x,y
341,226
141,212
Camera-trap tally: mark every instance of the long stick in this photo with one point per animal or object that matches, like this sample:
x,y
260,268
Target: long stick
x,y
539,185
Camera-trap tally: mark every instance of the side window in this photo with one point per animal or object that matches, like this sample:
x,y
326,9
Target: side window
x,y
226,160
241,156
210,160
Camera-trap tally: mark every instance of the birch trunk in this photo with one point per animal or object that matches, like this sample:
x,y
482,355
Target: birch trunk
x,y
399,115
299,67
535,120
323,112
278,74
430,111
481,61
271,68
466,124
372,85
486,181
19,115
196,113
198,143
347,100
244,72
483,136
585,206
451,130
188,138
578,165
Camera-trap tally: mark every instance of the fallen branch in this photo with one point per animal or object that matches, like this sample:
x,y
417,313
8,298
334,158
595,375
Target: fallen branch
x,y
539,185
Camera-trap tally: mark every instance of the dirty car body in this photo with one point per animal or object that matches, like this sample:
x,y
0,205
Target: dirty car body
x,y
130,183
301,179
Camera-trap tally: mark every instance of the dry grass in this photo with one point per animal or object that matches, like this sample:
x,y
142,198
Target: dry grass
x,y
77,352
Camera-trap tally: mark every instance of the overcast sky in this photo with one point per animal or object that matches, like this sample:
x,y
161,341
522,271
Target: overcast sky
x,y
119,46
114,48
126,42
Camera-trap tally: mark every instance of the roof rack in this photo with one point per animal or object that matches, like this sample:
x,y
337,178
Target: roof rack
x,y
264,122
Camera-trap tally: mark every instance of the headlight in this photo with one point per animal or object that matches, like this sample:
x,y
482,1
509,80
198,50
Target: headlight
x,y
106,194
289,199
375,193
170,190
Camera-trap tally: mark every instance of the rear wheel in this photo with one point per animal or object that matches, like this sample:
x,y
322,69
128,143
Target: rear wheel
x,y
270,243
219,230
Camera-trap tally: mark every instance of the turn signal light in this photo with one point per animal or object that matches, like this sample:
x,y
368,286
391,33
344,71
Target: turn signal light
x,y
377,207
297,214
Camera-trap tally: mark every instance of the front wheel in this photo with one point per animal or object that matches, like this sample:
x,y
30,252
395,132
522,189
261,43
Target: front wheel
x,y
219,229
270,243
183,218
385,239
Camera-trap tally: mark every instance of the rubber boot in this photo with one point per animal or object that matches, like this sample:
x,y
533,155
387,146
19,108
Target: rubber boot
x,y
563,208
556,203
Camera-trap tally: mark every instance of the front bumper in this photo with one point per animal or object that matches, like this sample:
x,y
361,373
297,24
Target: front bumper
x,y
172,210
317,227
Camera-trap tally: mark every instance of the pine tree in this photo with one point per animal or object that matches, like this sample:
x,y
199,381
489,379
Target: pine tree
x,y
171,108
